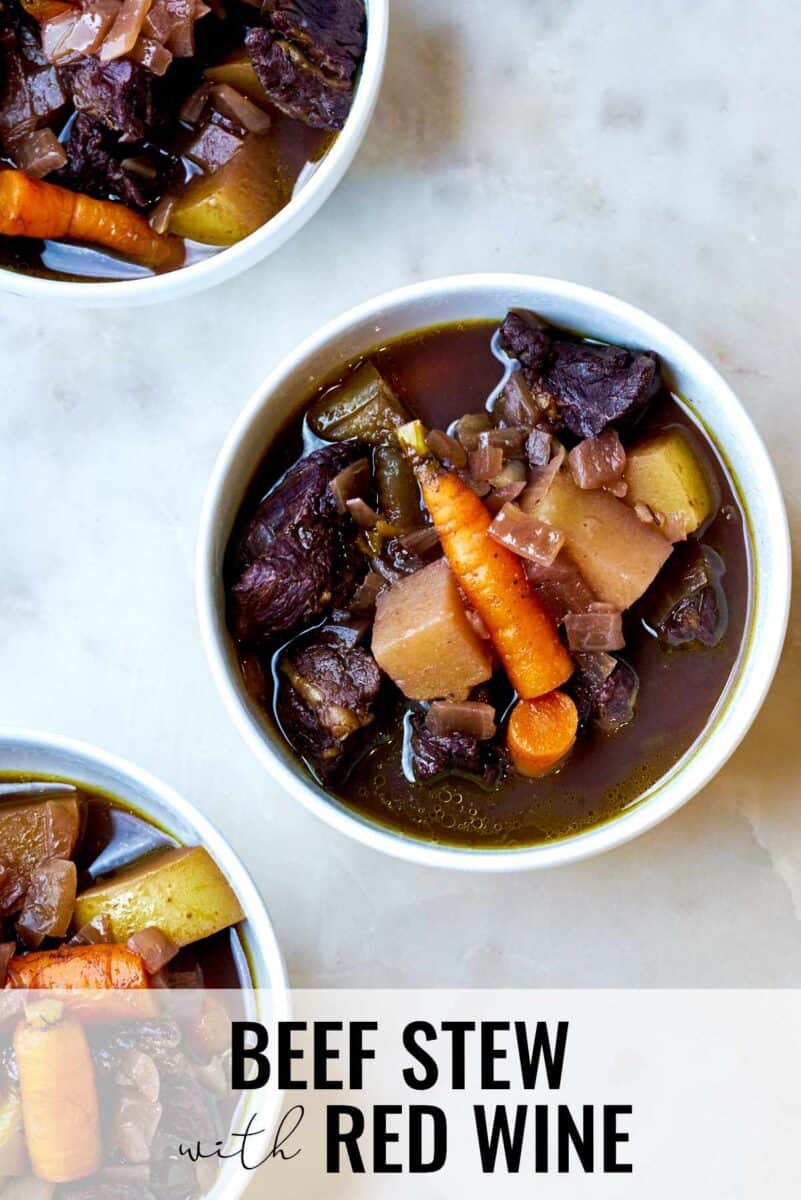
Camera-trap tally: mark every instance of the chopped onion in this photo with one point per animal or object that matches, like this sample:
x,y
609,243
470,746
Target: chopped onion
x,y
471,718
482,487
49,902
159,22
55,35
153,947
513,472
94,932
619,488
597,462
194,106
181,39
366,595
159,219
560,587
232,103
364,516
7,952
503,495
139,1071
351,482
39,152
644,513
151,54
141,166
526,535
485,462
538,448
126,29
511,439
518,403
420,541
594,631
599,666
92,26
446,448
12,890
135,1125
541,478
469,426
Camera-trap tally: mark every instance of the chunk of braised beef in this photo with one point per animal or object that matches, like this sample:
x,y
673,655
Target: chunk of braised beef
x,y
581,387
95,159
296,85
331,32
528,339
604,689
329,694
31,92
687,602
594,385
121,94
434,755
291,553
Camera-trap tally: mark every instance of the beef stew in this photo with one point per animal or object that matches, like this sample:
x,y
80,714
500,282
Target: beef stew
x,y
137,136
492,583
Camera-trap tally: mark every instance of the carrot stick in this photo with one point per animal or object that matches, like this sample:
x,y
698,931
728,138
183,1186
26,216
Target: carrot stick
x,y
496,585
60,1111
110,981
32,208
541,733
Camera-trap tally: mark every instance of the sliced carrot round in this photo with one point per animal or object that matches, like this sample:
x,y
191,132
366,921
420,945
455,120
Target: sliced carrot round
x,y
541,733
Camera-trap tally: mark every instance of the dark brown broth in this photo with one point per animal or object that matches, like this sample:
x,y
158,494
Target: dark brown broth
x,y
442,373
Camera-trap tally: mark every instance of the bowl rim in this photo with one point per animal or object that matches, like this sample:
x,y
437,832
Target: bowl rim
x,y
232,260
737,706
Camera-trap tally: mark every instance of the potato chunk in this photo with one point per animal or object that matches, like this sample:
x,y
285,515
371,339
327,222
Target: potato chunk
x,y
32,833
181,891
615,552
237,71
226,205
423,639
666,473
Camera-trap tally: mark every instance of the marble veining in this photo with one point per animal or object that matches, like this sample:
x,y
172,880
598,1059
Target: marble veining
x,y
648,150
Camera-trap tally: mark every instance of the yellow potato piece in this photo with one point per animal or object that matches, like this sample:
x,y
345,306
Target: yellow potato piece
x,y
617,554
237,71
182,891
222,208
666,473
423,639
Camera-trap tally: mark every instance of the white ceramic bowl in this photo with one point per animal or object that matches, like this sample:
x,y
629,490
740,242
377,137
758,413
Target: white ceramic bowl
x,y
38,753
596,314
235,259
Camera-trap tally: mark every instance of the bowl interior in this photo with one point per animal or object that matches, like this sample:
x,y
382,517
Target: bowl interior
x,y
709,400
264,241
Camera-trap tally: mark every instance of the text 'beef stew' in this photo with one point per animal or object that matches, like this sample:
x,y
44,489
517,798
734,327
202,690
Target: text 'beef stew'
x,y
141,135
492,584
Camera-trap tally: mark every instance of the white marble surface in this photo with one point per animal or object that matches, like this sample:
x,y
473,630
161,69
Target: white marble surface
x,y
650,150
